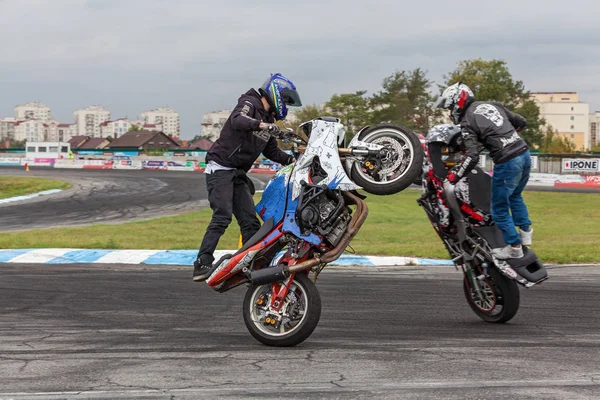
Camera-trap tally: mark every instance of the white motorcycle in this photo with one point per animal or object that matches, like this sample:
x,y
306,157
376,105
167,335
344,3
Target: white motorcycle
x,y
311,212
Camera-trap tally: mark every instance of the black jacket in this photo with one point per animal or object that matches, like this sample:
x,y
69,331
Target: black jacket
x,y
241,142
494,126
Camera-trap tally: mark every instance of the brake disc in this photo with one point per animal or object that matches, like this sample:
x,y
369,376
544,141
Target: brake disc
x,y
396,150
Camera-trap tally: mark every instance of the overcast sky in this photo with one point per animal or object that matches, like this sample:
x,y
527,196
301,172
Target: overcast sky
x,y
200,55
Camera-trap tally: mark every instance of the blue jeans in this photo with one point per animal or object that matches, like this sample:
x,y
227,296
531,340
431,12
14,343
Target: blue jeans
x,y
508,182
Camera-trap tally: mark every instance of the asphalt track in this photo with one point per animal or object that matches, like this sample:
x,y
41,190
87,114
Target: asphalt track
x,y
106,196
116,196
93,331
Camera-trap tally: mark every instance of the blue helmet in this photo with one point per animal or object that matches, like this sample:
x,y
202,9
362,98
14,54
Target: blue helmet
x,y
280,93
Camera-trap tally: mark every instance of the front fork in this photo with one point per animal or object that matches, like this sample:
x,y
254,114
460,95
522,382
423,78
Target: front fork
x,y
279,292
473,279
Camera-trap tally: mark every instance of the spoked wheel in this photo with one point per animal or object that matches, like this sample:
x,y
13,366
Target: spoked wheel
x,y
400,165
293,323
499,298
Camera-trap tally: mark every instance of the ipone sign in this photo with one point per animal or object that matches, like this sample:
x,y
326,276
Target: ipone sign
x,y
581,164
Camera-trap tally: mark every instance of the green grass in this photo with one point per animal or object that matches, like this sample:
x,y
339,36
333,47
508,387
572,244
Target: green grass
x,y
12,186
566,230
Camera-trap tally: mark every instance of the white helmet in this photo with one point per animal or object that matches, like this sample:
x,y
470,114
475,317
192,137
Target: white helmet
x,y
456,98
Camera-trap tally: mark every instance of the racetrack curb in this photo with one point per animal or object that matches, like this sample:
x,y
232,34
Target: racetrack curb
x,y
29,196
178,257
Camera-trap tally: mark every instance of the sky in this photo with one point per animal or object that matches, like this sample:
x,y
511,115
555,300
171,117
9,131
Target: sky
x,y
197,56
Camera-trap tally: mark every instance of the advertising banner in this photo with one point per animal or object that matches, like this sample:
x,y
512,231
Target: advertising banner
x,y
581,164
97,164
10,162
154,164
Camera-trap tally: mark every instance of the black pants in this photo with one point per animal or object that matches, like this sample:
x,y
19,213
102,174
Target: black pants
x,y
229,193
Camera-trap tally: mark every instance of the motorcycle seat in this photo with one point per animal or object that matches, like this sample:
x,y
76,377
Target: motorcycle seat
x,y
258,236
480,190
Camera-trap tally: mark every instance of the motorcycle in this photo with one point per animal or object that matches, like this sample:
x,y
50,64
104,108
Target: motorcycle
x,y
311,212
461,216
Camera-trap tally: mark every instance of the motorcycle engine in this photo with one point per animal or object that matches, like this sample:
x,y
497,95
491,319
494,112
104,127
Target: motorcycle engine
x,y
323,212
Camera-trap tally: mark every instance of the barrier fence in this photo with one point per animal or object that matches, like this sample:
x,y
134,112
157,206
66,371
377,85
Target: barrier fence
x,y
572,172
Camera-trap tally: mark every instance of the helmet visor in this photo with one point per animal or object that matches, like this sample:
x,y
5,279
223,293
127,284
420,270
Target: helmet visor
x,y
440,102
291,97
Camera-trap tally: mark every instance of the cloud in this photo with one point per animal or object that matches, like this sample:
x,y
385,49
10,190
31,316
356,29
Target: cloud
x,y
130,55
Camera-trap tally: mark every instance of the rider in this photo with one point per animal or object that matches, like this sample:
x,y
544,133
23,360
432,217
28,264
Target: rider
x,y
248,131
496,128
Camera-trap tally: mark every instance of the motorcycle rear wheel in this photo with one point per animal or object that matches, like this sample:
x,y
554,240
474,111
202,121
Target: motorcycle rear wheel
x,y
502,302
296,330
403,166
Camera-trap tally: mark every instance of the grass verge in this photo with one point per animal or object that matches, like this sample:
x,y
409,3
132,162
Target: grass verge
x,y
566,230
12,186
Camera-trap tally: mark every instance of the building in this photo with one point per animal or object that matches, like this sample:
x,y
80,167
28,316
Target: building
x,y
139,123
595,129
144,140
567,115
31,130
51,130
88,120
201,144
166,117
115,128
66,132
212,123
7,128
47,150
86,142
33,111
152,127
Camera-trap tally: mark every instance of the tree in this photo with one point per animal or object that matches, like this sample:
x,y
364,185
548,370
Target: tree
x,y
406,99
492,81
109,138
553,143
352,109
16,144
135,128
307,113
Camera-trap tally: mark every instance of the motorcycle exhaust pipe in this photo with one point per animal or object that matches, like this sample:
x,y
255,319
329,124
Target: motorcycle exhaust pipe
x,y
268,275
280,272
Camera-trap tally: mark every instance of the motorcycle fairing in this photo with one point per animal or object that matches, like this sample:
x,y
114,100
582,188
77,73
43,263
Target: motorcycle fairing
x,y
322,143
243,257
272,203
528,267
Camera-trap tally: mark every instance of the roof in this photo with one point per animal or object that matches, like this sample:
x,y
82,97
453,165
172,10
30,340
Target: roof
x,y
105,123
202,144
77,141
64,125
150,125
93,143
21,121
138,139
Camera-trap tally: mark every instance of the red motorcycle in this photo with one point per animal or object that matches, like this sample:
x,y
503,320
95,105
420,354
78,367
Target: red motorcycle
x,y
461,216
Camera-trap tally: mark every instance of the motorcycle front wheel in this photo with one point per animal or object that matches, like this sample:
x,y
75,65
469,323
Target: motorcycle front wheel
x,y
499,300
401,166
293,323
